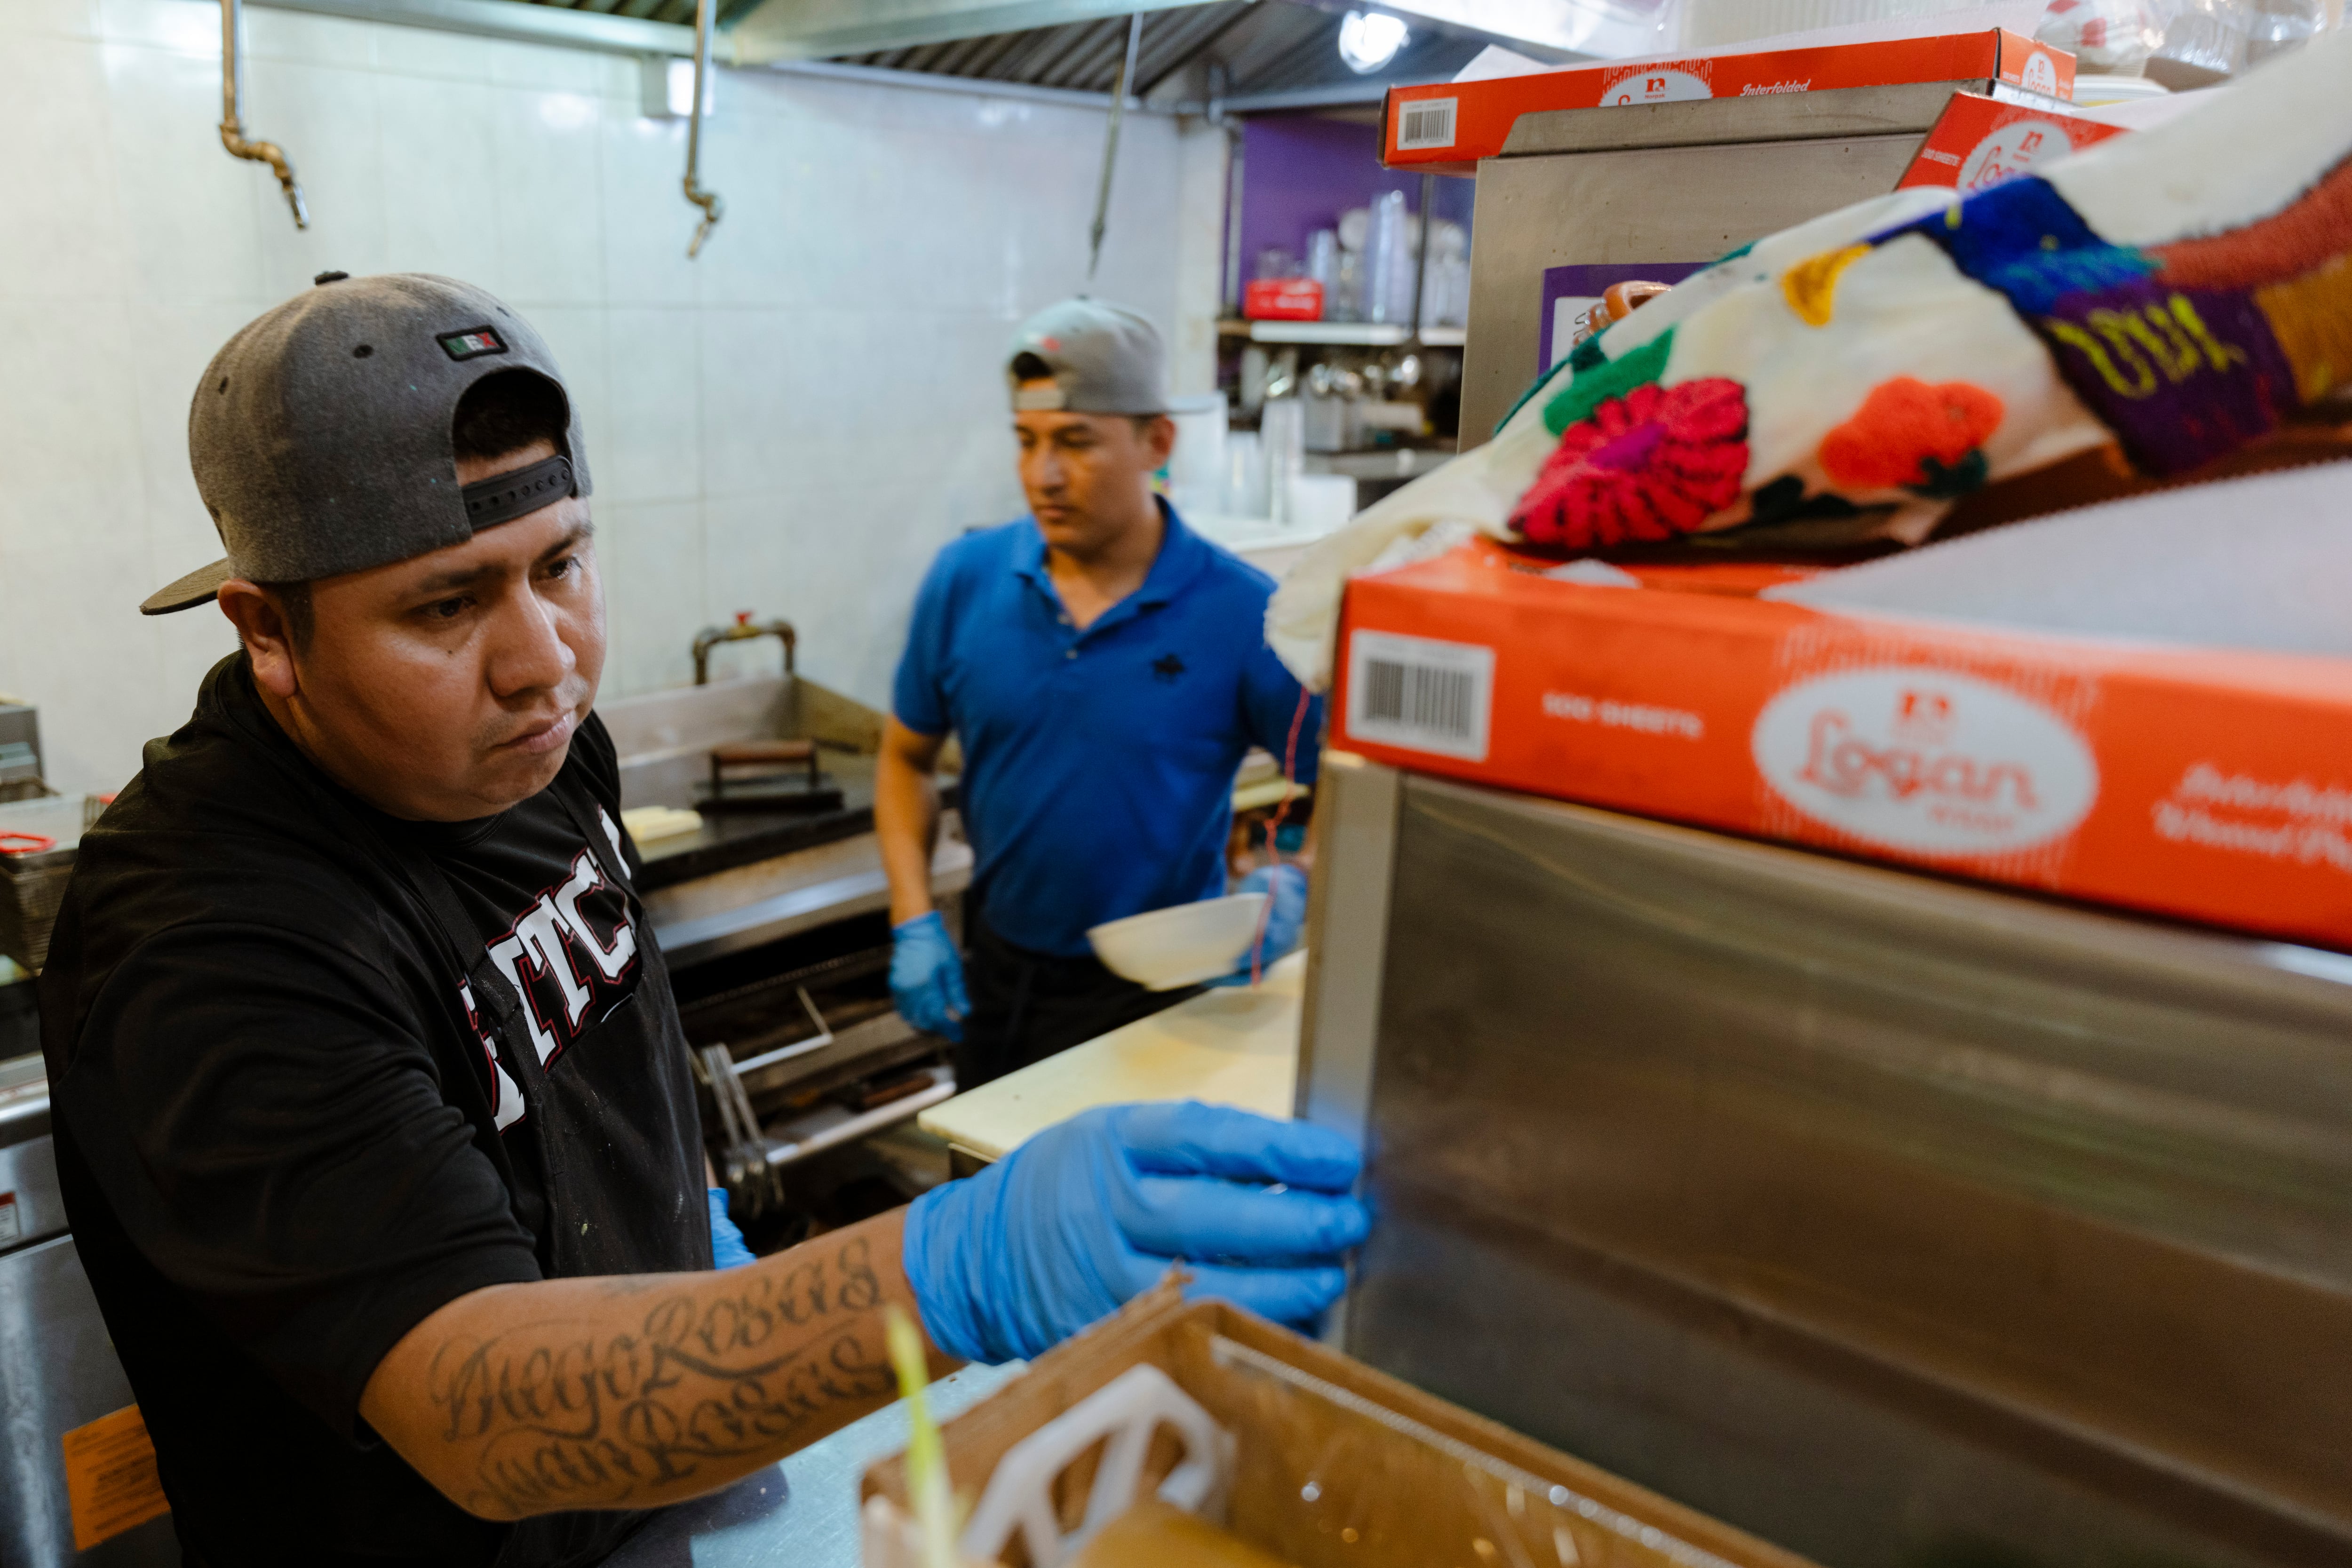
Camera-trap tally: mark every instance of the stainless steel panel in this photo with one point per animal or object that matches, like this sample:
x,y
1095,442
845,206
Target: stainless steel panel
x,y
1347,927
57,1371
24,1097
1663,203
1894,1220
31,1207
1884,111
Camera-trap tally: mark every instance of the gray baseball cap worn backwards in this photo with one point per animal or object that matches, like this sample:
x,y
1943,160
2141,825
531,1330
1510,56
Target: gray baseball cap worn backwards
x,y
320,434
1105,358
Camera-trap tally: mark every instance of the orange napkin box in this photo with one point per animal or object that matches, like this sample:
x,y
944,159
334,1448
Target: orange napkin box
x,y
2204,784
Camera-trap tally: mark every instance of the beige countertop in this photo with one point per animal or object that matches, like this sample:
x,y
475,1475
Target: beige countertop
x,y
1233,1046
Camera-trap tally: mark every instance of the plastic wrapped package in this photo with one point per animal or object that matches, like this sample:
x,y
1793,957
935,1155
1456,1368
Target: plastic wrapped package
x,y
2224,37
2113,37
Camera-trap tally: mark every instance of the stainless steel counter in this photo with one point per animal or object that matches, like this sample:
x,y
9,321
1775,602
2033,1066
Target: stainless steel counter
x,y
802,1513
57,1367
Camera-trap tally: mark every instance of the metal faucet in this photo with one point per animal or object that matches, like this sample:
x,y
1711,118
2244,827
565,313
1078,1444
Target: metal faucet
x,y
743,630
232,129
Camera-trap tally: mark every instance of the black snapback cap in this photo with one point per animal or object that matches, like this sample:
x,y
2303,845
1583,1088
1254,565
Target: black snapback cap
x,y
320,435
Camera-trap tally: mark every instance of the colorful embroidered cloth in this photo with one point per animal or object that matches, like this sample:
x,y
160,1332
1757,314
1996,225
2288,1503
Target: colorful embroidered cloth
x,y
2177,291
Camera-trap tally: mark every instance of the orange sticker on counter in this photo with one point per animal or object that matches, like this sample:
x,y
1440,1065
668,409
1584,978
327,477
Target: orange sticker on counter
x,y
110,1479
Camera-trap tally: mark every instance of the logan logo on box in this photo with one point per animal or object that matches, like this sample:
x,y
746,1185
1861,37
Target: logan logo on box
x,y
1656,86
2012,151
1925,760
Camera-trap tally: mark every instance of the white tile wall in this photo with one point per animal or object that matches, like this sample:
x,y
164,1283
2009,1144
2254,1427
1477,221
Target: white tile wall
x,y
791,425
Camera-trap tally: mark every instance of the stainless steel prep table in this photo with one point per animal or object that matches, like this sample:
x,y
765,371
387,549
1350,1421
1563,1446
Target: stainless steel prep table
x,y
1895,1220
742,880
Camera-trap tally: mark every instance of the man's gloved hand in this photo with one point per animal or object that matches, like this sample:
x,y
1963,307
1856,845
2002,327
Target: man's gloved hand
x,y
1091,1211
926,977
1286,918
726,1249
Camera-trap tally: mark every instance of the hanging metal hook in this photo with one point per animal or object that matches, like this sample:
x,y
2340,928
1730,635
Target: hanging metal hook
x,y
1110,145
233,114
712,207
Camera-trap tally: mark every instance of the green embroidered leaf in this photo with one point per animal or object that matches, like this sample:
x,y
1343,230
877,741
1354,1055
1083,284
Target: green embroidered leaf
x,y
1944,484
1580,396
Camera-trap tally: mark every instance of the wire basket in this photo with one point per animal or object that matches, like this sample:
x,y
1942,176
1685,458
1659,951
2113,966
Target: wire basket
x,y
39,841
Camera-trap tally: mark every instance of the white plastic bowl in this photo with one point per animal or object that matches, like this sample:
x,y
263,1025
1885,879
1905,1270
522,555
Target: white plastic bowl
x,y
1183,944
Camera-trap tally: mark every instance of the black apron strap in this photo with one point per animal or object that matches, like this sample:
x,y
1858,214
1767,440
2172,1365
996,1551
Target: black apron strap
x,y
488,988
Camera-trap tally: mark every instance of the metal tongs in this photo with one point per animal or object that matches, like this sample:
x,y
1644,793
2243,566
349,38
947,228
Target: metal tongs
x,y
754,1190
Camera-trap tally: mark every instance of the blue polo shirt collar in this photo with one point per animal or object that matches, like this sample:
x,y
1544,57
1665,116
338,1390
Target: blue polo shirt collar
x,y
1183,555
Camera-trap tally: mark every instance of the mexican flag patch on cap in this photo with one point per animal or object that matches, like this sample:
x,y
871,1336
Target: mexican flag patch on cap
x,y
472,344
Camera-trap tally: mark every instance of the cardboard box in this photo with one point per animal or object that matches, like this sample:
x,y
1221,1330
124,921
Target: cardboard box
x,y
2204,784
1980,140
1337,1466
1449,126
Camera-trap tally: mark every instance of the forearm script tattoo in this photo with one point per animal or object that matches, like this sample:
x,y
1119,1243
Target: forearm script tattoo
x,y
565,1418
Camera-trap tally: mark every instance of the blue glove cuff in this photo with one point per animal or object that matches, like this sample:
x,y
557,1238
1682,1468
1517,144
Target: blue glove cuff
x,y
727,1248
943,1297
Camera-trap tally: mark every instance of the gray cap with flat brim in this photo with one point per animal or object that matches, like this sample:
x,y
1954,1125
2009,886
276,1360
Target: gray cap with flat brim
x,y
321,433
1104,359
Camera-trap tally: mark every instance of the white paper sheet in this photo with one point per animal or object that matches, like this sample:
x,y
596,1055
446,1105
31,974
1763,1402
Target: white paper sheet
x,y
2261,562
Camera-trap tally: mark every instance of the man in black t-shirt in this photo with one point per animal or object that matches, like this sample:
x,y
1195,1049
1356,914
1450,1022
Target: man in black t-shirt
x,y
372,1110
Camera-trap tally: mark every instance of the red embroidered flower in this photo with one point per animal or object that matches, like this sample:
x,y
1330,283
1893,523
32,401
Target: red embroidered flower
x,y
1650,465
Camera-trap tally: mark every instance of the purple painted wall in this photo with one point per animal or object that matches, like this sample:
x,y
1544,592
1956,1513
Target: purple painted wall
x,y
1299,172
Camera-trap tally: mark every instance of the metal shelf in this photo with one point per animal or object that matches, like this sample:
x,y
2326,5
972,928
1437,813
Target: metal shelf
x,y
1351,334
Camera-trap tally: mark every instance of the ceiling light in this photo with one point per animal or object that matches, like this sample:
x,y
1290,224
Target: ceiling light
x,y
1370,39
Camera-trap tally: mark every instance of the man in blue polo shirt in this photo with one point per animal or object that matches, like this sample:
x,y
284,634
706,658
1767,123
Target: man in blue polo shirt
x,y
1105,669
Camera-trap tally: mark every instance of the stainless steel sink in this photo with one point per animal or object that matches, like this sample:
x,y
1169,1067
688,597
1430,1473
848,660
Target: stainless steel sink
x,y
665,737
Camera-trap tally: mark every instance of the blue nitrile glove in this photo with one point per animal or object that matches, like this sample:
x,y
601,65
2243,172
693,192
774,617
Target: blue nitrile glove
x,y
1286,921
726,1249
926,977
1090,1212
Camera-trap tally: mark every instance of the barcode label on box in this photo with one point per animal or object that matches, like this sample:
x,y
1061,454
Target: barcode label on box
x,y
1426,123
1419,694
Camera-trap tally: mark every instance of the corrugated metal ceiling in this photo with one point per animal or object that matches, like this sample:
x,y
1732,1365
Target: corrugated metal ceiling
x,y
680,11
1265,45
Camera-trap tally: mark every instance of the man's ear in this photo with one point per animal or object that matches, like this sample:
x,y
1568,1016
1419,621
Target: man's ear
x,y
1160,438
260,623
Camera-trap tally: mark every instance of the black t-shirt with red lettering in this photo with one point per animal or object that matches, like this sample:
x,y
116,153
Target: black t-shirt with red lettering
x,y
289,1128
